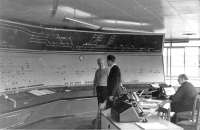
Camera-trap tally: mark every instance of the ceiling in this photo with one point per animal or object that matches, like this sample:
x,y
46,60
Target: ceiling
x,y
178,19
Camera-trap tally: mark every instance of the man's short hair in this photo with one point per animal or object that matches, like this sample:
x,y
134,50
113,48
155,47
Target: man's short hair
x,y
111,58
183,76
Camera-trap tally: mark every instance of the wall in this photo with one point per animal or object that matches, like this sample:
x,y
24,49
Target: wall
x,y
24,68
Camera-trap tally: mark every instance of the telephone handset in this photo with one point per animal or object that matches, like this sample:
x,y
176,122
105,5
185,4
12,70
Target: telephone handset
x,y
165,91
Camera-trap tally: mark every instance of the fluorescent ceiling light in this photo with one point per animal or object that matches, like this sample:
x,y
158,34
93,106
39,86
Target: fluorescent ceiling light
x,y
122,29
122,22
189,34
76,12
93,26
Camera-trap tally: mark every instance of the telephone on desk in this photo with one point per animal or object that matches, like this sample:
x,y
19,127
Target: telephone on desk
x,y
164,91
127,109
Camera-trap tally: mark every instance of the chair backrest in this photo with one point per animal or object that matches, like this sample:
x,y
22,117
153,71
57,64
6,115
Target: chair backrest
x,y
197,109
164,113
195,106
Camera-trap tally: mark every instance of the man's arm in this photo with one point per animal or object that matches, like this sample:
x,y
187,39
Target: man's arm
x,y
95,83
178,95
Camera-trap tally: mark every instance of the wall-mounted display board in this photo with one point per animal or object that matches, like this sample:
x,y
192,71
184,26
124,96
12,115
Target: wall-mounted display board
x,y
25,68
29,37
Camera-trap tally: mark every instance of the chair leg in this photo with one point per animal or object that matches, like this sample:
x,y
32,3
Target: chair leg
x,y
174,119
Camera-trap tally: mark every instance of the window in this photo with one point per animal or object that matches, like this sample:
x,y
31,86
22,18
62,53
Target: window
x,y
177,61
182,58
192,61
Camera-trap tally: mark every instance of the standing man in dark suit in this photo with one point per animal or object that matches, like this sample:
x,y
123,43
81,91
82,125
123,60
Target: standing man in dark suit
x,y
184,97
113,81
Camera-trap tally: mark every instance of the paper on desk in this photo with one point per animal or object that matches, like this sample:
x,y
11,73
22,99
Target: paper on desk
x,y
169,91
152,126
148,105
41,92
36,92
46,91
155,85
153,100
67,90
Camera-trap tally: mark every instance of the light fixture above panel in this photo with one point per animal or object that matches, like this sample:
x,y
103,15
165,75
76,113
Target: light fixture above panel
x,y
83,23
123,30
123,22
189,34
75,12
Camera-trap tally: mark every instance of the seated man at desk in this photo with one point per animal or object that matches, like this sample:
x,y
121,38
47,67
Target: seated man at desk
x,y
184,97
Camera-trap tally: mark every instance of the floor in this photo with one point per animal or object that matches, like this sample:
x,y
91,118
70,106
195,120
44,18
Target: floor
x,y
69,122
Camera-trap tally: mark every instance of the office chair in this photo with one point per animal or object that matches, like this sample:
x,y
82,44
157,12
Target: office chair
x,y
193,124
187,115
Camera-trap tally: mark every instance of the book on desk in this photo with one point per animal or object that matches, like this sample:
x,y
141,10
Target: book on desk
x,y
41,92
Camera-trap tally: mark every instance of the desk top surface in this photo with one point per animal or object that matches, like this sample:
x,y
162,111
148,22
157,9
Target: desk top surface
x,y
26,99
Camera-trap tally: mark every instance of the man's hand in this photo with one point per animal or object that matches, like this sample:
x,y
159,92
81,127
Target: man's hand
x,y
102,106
111,98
